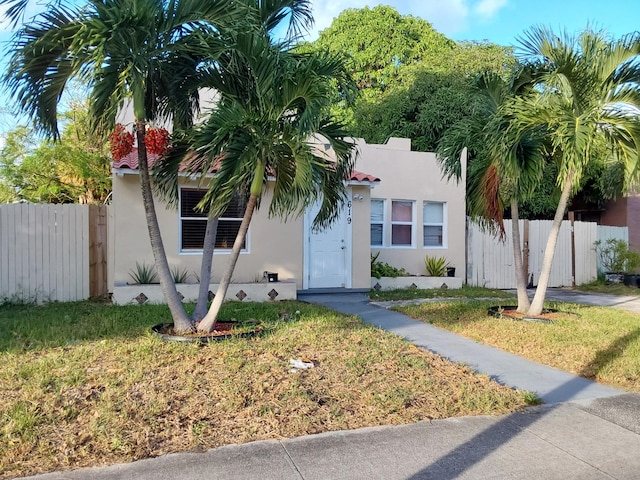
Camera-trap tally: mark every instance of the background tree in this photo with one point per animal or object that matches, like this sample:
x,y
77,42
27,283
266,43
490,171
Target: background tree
x,y
421,109
413,81
75,169
377,41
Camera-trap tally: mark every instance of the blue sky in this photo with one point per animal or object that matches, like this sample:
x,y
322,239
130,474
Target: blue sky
x,y
499,21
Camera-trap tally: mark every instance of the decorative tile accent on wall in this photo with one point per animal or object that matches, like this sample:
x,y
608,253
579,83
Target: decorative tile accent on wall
x,y
444,285
181,296
141,298
413,286
241,295
377,287
272,294
211,295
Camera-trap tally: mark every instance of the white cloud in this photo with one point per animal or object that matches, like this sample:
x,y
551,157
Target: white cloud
x,y
324,12
446,17
488,8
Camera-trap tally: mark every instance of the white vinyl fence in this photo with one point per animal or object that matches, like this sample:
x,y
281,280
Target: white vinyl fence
x,y
45,251
490,261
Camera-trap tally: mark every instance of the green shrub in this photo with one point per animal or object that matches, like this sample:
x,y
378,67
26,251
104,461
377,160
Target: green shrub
x,y
144,274
180,275
615,256
383,269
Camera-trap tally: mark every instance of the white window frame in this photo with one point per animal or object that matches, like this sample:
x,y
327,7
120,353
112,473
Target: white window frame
x,y
198,251
382,223
434,224
412,224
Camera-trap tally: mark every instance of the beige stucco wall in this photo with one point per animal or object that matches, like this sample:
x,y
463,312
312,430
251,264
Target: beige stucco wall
x,y
273,245
207,99
276,246
415,176
360,249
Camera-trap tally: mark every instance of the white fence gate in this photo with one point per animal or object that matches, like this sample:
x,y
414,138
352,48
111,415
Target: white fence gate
x,y
490,261
45,252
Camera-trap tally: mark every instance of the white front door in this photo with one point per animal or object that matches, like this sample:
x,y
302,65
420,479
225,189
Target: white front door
x,y
328,251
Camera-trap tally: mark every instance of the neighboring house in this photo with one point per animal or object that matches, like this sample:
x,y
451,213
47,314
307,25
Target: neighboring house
x,y
624,212
409,213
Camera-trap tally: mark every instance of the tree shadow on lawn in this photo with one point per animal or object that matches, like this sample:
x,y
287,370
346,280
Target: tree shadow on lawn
x,y
462,458
28,327
609,355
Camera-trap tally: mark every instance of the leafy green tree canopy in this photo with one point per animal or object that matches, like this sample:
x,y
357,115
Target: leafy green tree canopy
x,y
72,170
413,81
377,41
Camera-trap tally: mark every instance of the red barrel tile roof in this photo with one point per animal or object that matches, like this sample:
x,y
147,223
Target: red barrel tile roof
x,y
130,161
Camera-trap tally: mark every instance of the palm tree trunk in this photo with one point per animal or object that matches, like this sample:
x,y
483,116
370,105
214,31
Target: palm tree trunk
x,y
205,268
181,320
537,303
209,321
521,281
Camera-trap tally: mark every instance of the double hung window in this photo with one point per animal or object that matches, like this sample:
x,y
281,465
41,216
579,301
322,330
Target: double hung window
x,y
433,225
377,222
193,222
401,223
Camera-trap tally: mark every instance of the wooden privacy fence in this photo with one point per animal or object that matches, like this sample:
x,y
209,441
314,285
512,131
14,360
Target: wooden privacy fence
x,y
490,261
52,252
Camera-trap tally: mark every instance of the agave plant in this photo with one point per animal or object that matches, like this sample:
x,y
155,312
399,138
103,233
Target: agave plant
x,y
436,266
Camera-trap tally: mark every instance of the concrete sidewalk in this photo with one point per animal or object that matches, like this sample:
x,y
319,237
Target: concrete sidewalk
x,y
584,431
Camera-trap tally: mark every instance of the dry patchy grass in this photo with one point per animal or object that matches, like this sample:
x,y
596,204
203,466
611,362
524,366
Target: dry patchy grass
x,y
594,342
114,393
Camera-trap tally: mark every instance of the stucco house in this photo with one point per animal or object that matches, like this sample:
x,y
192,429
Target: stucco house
x,y
397,205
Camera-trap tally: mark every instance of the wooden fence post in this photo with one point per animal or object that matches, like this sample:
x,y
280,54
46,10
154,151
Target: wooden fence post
x,y
98,242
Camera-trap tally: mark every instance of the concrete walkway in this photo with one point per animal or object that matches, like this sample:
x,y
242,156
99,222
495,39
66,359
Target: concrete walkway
x,y
550,384
624,302
584,431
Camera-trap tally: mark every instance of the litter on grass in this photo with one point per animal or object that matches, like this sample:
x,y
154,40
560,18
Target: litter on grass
x,y
299,365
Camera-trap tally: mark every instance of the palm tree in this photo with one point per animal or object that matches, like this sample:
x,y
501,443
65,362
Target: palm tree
x,y
121,49
264,16
589,95
501,171
148,51
272,110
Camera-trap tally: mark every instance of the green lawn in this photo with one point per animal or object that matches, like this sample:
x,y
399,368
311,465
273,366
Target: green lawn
x,y
464,292
610,289
87,384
